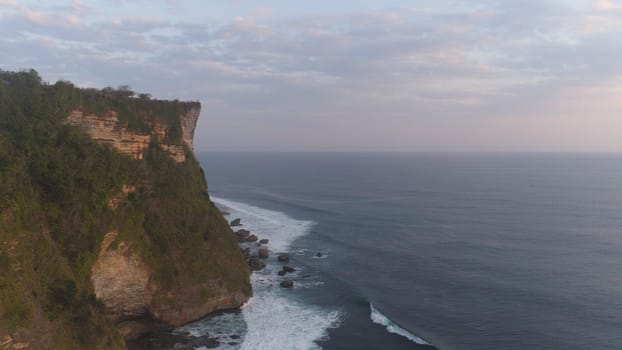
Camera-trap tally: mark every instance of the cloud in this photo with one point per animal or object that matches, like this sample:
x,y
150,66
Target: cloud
x,y
393,70
607,5
9,4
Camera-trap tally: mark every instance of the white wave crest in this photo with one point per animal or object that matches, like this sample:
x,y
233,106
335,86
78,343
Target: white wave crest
x,y
279,228
379,318
273,320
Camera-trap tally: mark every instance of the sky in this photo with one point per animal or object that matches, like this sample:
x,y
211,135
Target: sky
x,y
347,75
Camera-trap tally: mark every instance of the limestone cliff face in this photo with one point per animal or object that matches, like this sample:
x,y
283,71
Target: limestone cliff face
x,y
124,283
189,123
121,279
107,129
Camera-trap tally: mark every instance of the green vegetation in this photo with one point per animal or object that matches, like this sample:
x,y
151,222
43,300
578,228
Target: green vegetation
x,y
55,183
134,112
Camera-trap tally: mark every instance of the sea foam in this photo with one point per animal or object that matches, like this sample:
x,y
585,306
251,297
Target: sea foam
x,y
275,322
381,319
272,320
279,228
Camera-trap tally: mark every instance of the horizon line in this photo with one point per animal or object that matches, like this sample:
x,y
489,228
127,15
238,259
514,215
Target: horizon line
x,y
412,152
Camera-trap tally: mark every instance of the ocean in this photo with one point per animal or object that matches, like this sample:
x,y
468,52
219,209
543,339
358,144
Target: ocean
x,y
423,251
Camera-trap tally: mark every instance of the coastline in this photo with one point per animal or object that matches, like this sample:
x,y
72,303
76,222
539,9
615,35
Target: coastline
x,y
277,309
265,279
166,337
274,317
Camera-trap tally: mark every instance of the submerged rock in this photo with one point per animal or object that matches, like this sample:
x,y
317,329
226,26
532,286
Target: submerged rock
x,y
285,270
287,284
283,257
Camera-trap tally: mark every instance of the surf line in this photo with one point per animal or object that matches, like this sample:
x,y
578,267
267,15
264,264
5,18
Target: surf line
x,y
392,327
291,324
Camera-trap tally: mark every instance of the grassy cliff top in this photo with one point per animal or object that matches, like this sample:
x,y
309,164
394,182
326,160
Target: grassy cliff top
x,y
135,110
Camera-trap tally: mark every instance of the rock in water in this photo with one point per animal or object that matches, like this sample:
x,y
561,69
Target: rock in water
x,y
255,264
263,241
252,238
287,284
243,232
236,222
263,252
242,235
283,257
285,270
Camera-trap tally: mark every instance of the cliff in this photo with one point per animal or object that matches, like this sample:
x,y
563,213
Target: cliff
x,y
108,130
106,227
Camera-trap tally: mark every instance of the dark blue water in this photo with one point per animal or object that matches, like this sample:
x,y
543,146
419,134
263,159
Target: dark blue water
x,y
466,251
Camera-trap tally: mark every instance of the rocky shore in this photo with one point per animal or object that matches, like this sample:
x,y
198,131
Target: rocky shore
x,y
256,252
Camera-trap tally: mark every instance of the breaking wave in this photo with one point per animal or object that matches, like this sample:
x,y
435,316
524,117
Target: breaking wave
x,y
272,319
381,319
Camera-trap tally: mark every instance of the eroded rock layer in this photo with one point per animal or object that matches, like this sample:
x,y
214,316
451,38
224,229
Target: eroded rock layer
x,y
107,129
